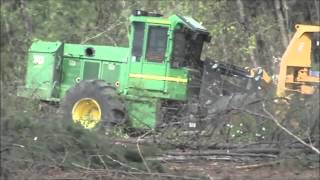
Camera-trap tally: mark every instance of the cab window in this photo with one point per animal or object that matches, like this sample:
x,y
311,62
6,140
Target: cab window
x,y
157,43
138,39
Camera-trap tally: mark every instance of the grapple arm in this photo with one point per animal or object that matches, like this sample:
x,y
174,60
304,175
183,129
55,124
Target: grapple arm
x,y
258,75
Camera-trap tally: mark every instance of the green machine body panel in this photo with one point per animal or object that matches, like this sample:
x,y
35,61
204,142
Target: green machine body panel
x,y
44,71
83,62
145,73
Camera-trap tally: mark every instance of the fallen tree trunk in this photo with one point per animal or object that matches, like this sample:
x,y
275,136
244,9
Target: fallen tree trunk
x,y
247,153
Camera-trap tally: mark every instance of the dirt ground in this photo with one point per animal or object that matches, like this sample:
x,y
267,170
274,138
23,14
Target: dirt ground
x,y
218,170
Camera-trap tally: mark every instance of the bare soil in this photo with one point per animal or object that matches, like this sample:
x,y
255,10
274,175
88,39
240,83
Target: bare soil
x,y
221,170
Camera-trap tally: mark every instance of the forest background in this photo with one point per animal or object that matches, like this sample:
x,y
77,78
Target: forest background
x,y
244,32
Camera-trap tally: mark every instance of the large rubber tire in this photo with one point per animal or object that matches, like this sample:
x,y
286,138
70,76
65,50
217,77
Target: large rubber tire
x,y
111,107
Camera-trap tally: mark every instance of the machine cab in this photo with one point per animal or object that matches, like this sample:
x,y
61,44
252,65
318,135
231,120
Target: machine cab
x,y
164,52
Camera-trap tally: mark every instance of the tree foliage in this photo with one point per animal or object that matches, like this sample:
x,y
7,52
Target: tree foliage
x,y
244,32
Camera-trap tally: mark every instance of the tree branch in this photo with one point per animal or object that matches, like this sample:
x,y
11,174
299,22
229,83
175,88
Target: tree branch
x,y
274,119
138,147
99,34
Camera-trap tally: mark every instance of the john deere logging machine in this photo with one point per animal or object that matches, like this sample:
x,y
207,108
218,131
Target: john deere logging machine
x,y
134,85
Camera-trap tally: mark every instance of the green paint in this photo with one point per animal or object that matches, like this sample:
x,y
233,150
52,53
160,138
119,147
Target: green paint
x,y
143,113
54,67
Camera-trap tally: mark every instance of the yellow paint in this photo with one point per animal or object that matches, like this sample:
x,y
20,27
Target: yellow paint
x,y
265,76
87,112
305,89
303,76
297,55
158,21
159,78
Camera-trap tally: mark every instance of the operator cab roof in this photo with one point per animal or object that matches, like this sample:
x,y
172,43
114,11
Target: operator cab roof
x,y
173,20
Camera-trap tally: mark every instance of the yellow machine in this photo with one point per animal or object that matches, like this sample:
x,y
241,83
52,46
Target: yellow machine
x,y
299,66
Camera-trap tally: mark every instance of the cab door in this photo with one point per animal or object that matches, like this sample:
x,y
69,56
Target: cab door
x,y
137,49
154,64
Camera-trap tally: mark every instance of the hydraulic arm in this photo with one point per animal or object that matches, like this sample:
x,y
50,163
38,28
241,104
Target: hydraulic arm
x,y
256,75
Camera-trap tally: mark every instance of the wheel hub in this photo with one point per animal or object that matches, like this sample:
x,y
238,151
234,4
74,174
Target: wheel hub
x,y
87,112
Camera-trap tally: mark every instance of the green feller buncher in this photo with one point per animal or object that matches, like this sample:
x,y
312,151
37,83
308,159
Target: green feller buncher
x,y
160,73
